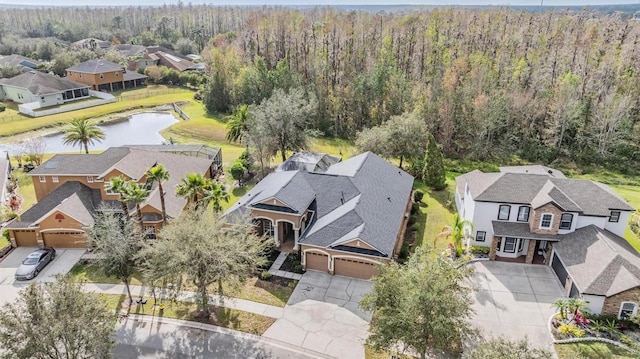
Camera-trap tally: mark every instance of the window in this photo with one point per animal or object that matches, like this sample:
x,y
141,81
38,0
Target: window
x,y
498,248
546,220
107,188
503,213
480,236
54,179
267,227
627,309
90,179
614,216
565,221
43,179
117,74
520,245
510,245
523,213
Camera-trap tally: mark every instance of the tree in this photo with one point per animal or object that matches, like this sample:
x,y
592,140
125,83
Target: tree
x,y
237,124
423,305
457,232
192,186
159,173
237,170
185,46
433,172
136,193
57,320
284,117
501,348
208,250
34,148
83,133
215,193
116,246
118,185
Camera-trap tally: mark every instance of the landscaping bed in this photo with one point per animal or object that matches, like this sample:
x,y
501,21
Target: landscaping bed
x,y
222,317
292,264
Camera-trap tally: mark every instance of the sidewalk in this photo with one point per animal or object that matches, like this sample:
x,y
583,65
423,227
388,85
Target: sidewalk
x,y
138,291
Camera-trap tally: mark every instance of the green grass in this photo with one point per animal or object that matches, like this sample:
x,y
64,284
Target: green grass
x,y
593,350
435,215
222,317
12,122
83,272
25,189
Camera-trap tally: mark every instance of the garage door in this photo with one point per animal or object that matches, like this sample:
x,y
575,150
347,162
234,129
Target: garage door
x,y
26,238
559,269
354,268
316,261
65,239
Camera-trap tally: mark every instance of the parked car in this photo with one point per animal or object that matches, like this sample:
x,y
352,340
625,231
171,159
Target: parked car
x,y
33,264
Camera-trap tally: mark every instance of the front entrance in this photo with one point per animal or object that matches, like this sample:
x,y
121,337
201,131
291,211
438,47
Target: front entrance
x,y
287,237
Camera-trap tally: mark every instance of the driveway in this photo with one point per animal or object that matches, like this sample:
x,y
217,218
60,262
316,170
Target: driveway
x,y
514,300
9,287
323,315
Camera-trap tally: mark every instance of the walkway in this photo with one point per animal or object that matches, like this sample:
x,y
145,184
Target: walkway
x,y
142,336
138,291
275,268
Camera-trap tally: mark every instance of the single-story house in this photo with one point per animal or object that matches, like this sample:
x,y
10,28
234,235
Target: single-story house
x,y
47,90
309,161
19,61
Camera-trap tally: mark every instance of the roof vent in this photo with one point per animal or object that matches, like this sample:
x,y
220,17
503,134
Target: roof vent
x,y
389,198
550,172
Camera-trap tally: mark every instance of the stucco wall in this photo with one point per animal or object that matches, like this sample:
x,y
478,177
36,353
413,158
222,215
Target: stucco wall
x,y
43,189
620,226
595,303
19,94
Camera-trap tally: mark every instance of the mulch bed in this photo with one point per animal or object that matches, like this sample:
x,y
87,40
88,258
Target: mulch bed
x,y
290,264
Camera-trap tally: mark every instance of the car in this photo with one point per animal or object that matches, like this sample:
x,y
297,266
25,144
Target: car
x,y
33,264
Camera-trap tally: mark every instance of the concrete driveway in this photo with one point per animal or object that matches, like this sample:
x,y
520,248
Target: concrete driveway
x,y
323,315
9,287
514,300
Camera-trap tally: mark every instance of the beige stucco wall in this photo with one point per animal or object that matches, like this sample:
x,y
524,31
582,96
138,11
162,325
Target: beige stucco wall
x,y
94,79
43,189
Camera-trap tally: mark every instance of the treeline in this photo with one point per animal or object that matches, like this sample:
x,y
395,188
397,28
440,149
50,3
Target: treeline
x,y
489,83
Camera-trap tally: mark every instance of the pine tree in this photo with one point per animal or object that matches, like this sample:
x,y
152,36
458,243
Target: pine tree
x,y
433,172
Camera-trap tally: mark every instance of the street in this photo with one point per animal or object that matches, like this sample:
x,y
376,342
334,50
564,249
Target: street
x,y
144,337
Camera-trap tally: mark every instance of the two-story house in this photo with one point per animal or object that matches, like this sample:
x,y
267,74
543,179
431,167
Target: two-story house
x,y
344,219
72,188
104,75
534,214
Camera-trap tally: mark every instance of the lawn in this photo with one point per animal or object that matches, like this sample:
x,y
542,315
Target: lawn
x,y
25,189
222,317
437,213
594,350
253,289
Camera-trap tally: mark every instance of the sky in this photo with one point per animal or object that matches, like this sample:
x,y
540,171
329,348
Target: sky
x,y
316,2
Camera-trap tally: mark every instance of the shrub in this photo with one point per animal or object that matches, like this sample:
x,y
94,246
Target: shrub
x,y
479,250
417,196
404,251
412,220
237,170
265,275
415,208
297,268
571,330
2,107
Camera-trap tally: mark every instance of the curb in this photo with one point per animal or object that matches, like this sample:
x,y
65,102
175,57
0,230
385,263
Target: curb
x,y
227,331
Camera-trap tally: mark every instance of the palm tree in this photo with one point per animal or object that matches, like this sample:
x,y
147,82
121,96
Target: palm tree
x,y
137,194
237,125
118,185
192,186
215,193
456,232
83,133
159,173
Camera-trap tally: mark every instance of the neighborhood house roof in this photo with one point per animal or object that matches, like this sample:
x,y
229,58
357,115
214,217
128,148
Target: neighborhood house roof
x,y
364,198
519,230
39,83
81,164
539,188
96,67
599,262
19,61
308,161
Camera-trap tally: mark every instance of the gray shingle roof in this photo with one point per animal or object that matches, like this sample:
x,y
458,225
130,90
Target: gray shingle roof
x,y
96,66
519,230
72,198
534,170
575,195
308,161
599,262
39,83
365,198
19,61
81,164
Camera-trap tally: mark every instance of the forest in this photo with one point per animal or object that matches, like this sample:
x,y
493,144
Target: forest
x,y
490,84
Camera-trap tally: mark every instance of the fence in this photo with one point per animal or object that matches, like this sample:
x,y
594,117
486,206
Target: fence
x,y
146,94
180,112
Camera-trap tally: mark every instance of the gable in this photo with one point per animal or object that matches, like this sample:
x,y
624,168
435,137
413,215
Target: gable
x,y
358,243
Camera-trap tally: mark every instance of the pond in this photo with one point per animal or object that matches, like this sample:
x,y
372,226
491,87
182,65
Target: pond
x,y
139,129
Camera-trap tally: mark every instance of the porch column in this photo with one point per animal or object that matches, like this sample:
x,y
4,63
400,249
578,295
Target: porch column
x,y
494,248
276,234
531,251
296,234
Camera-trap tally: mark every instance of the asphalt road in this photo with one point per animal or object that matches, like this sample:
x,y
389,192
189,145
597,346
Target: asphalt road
x,y
146,339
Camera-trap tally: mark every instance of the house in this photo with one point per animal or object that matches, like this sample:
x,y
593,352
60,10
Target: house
x,y
128,50
343,221
535,214
19,61
309,161
46,90
160,56
90,43
71,188
102,75
211,153
5,175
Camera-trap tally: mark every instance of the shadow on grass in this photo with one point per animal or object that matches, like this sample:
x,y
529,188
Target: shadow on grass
x,y
281,291
84,271
240,191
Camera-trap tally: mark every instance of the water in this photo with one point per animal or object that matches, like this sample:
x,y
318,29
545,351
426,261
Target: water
x,y
139,129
